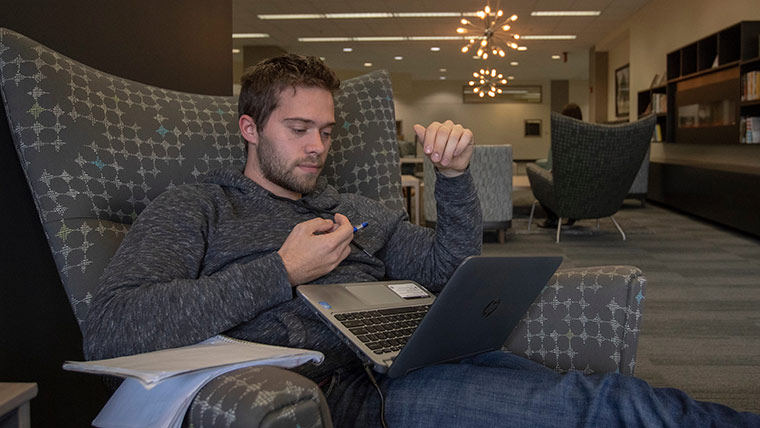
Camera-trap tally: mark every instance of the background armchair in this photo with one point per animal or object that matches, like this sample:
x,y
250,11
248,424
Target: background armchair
x,y
593,167
92,150
491,168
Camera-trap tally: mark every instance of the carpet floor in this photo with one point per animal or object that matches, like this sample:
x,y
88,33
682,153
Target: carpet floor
x,y
701,325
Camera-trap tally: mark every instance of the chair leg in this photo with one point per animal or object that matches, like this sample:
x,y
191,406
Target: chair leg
x,y
618,227
559,226
532,209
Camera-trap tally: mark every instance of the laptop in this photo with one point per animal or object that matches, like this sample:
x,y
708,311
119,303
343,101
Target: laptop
x,y
399,326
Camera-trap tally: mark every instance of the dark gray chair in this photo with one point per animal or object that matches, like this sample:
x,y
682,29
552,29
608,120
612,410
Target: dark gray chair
x,y
593,168
94,149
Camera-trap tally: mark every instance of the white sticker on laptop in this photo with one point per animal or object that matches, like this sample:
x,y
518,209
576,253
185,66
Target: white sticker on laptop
x,y
408,291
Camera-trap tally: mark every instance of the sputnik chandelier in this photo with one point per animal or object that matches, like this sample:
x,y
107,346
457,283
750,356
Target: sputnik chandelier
x,y
492,35
487,81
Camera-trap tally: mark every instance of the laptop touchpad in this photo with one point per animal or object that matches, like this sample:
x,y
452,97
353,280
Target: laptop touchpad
x,y
373,294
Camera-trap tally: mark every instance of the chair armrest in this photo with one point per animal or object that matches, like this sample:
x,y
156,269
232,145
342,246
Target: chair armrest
x,y
586,319
262,396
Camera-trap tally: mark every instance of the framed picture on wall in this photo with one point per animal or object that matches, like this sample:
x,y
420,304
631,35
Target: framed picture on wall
x,y
622,90
532,127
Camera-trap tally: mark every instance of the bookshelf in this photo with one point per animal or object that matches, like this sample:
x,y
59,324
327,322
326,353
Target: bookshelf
x,y
705,166
702,101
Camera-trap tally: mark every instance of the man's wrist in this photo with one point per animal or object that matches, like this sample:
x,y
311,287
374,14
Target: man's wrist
x,y
450,173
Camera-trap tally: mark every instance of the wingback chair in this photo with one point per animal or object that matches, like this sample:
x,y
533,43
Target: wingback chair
x,y
491,168
94,149
593,168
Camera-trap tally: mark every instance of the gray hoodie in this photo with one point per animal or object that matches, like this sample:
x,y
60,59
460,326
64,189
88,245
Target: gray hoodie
x,y
202,259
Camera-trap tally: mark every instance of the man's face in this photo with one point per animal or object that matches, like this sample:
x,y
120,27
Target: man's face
x,y
293,144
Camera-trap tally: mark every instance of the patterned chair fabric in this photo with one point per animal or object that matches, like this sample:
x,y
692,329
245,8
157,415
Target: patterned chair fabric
x,y
586,319
593,166
491,168
96,149
640,184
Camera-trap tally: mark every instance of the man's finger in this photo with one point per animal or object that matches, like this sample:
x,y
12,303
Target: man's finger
x,y
420,131
452,143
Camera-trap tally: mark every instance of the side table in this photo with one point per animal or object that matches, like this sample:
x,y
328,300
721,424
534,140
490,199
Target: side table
x,y
14,404
411,186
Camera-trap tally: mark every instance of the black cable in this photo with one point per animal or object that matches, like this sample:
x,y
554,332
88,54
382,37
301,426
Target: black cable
x,y
380,392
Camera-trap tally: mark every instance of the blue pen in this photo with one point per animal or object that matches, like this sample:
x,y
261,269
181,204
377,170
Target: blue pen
x,y
361,226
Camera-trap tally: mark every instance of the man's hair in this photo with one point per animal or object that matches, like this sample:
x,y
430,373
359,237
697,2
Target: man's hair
x,y
261,84
573,110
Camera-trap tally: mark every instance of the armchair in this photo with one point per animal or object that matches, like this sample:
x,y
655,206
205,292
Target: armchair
x,y
491,168
593,168
94,149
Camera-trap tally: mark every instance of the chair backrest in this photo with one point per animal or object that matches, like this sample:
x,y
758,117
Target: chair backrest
x,y
593,165
96,149
491,169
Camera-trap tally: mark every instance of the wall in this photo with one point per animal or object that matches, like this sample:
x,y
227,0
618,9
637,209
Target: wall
x,y
618,56
185,47
661,27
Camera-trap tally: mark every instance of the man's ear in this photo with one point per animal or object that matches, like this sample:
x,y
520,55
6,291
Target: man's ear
x,y
248,129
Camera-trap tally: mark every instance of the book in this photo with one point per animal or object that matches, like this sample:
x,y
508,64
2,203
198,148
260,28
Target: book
x,y
160,385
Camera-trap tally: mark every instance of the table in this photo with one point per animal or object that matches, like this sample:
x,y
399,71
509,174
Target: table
x,y
14,404
412,185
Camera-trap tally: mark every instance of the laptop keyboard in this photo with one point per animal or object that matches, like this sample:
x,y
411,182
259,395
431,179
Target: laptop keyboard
x,y
384,330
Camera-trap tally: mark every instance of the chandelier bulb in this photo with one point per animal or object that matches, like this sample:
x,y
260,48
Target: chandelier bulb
x,y
481,94
464,21
506,27
461,30
513,18
485,55
487,9
499,13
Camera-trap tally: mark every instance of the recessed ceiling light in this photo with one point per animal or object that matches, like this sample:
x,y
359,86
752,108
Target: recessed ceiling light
x,y
435,49
442,70
398,57
442,77
348,49
555,56
514,63
565,13
475,57
250,35
511,77
368,64
522,48
236,51
549,37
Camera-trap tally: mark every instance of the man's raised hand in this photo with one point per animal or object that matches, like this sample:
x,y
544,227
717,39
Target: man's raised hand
x,y
448,145
315,247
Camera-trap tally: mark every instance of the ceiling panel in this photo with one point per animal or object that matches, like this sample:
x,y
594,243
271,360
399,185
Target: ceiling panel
x,y
419,61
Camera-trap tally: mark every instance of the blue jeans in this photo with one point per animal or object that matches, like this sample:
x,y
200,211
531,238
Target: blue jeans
x,y
500,389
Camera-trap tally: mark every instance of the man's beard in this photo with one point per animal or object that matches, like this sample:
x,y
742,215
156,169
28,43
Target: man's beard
x,y
276,170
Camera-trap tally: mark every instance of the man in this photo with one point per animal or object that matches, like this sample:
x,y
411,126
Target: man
x,y
224,255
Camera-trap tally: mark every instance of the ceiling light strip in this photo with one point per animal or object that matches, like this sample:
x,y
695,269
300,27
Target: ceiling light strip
x,y
366,15
565,13
250,35
378,39
422,38
550,37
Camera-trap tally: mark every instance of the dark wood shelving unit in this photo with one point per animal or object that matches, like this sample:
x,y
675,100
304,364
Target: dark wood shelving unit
x,y
703,123
704,80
